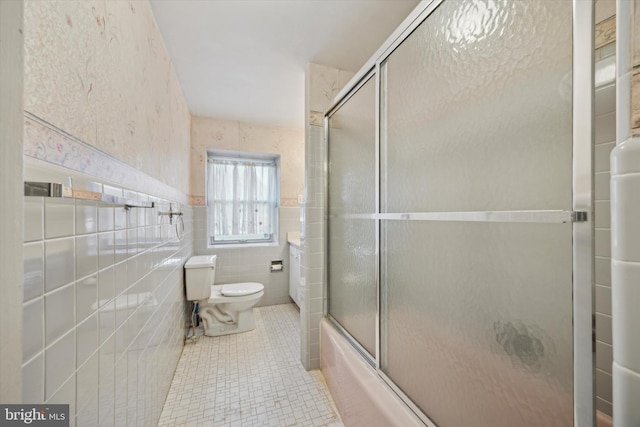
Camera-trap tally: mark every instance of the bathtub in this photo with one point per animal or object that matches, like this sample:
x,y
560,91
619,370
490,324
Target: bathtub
x,y
603,420
362,398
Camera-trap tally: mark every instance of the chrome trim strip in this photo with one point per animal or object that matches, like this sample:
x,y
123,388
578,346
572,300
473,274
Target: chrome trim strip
x,y
381,147
325,252
427,8
403,397
540,217
351,340
413,20
378,112
583,105
352,91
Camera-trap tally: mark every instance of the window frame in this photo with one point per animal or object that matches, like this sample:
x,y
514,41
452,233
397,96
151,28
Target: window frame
x,y
242,156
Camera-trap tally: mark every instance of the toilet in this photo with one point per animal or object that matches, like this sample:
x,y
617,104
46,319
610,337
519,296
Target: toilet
x,y
224,309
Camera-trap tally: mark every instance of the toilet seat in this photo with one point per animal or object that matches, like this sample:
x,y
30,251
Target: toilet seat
x,y
240,289
235,292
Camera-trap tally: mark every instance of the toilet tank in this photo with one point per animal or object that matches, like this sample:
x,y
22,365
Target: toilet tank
x,y
199,276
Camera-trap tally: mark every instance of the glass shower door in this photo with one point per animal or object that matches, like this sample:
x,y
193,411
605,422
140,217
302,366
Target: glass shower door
x,y
476,200
352,292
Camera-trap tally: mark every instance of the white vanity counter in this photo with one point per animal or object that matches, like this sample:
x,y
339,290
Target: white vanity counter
x,y
293,238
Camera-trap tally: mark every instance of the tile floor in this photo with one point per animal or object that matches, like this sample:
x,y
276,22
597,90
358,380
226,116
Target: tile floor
x,y
249,379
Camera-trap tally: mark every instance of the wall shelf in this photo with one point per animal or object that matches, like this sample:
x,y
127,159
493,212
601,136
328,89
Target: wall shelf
x,y
55,189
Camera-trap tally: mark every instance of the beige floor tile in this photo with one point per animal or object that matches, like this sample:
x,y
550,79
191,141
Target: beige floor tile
x,y
250,379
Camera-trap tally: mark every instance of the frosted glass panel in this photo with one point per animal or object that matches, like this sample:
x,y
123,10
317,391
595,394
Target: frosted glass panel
x,y
477,109
476,321
477,326
351,248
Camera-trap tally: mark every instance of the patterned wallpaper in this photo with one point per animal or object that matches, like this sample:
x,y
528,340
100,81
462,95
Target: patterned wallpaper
x,y
99,71
323,84
240,136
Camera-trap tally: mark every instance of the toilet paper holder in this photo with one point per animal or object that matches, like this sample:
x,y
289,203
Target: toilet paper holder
x,y
276,266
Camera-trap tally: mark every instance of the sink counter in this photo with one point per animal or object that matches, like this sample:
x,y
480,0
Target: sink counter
x,y
293,238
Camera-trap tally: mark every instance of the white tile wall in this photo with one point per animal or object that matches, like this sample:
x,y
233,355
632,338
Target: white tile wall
x,y
58,318
105,218
106,286
86,217
86,297
252,263
60,360
59,217
87,381
59,262
104,310
33,255
66,393
605,136
33,215
86,255
33,321
33,379
87,338
312,249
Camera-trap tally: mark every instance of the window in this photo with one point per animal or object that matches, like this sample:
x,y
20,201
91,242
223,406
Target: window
x,y
242,197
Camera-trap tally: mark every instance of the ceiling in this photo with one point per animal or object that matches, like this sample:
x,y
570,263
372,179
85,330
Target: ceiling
x,y
245,59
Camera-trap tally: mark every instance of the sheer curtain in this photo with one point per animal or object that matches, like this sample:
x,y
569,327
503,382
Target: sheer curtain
x,y
242,199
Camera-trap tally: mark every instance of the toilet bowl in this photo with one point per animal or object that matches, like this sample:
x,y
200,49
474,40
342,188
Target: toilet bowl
x,y
224,309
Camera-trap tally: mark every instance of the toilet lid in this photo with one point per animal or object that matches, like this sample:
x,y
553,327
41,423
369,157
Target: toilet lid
x,y
241,289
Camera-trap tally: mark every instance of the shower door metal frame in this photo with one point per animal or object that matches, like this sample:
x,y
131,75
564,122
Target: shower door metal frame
x,y
370,75
581,215
582,174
